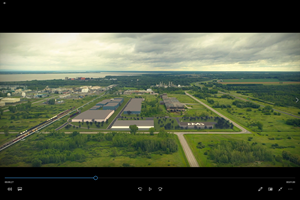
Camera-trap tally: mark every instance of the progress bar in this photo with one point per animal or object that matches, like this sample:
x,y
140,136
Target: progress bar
x,y
96,177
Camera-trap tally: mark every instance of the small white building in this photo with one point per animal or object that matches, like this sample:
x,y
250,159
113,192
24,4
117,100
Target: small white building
x,y
23,94
8,94
10,100
85,90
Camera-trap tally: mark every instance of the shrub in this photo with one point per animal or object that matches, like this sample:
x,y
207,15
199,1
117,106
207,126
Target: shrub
x,y
289,138
263,143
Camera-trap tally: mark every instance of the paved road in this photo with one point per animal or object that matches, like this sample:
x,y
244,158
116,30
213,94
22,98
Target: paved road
x,y
260,104
187,150
235,124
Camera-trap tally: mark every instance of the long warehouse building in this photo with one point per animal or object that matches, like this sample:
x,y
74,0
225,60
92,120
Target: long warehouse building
x,y
134,106
141,124
93,115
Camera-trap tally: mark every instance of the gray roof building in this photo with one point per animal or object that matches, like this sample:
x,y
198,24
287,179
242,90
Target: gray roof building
x,y
105,101
134,105
134,122
93,114
112,104
141,124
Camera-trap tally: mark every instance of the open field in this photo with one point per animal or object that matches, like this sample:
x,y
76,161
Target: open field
x,y
182,98
290,109
271,123
98,154
252,80
203,160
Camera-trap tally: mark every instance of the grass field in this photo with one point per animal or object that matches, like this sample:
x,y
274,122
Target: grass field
x,y
292,110
271,123
98,155
203,160
251,80
182,98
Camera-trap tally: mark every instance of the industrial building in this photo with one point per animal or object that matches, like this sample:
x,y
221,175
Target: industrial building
x,y
134,106
148,91
10,100
172,103
117,100
95,107
104,102
111,106
201,125
64,95
141,124
93,115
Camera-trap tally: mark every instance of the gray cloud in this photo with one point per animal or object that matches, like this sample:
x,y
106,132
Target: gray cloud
x,y
150,51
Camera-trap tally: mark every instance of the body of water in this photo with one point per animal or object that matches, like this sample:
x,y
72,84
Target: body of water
x,y
30,77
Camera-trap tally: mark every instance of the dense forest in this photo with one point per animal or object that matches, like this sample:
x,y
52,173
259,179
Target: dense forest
x,y
61,151
237,152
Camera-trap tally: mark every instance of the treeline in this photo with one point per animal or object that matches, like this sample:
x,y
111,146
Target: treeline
x,y
292,158
256,123
245,104
20,107
204,92
281,76
218,105
223,123
237,152
227,96
294,122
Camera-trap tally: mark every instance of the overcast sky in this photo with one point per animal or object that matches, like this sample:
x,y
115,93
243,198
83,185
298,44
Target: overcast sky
x,y
150,51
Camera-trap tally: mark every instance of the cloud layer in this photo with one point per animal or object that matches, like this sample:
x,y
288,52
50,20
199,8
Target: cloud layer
x,y
150,51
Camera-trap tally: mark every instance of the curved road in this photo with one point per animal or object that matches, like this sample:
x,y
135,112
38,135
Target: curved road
x,y
260,104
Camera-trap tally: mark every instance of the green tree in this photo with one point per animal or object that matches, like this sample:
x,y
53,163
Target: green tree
x,y
12,109
51,102
133,129
151,130
114,152
6,131
36,162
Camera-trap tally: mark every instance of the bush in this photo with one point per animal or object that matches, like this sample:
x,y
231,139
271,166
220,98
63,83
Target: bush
x,y
263,143
289,138
205,153
36,163
126,165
